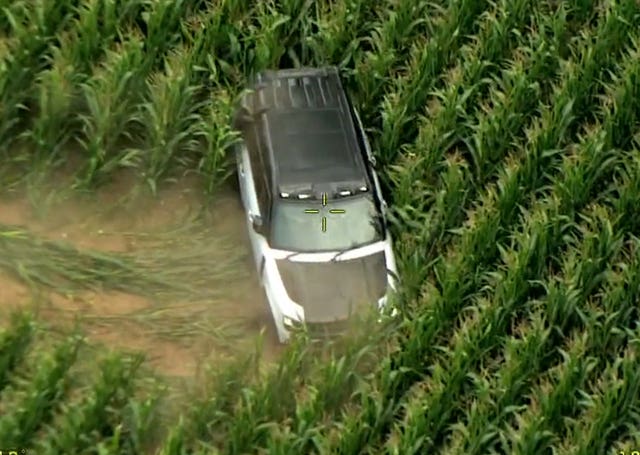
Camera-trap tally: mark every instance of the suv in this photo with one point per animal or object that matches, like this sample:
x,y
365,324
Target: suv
x,y
315,211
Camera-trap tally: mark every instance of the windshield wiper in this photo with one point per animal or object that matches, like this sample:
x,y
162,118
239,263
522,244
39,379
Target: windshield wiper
x,y
340,253
292,255
333,259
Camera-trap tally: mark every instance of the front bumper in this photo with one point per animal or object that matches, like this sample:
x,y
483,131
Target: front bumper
x,y
290,315
320,330
336,328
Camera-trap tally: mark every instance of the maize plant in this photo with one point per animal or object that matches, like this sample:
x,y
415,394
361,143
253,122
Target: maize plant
x,y
170,119
455,288
41,392
14,342
392,32
31,36
508,145
106,397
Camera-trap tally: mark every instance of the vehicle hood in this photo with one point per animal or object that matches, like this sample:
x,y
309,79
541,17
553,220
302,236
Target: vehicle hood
x,y
331,291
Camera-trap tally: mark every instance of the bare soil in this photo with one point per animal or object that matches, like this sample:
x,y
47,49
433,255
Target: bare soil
x,y
99,222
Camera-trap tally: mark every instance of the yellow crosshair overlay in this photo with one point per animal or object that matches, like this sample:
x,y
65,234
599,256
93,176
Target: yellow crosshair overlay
x,y
324,218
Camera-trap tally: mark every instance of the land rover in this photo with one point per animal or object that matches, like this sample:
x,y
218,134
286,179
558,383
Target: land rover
x,y
315,211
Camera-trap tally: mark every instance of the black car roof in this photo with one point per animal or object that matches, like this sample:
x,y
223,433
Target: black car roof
x,y
309,131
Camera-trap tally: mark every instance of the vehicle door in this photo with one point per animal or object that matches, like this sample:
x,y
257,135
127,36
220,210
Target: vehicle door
x,y
256,194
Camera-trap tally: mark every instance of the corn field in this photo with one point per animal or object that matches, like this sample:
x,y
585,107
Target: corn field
x,y
507,137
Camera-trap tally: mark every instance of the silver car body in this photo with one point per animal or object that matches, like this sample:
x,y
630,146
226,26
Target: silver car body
x,y
365,271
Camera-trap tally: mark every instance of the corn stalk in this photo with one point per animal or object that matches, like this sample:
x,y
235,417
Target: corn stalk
x,y
96,416
610,405
411,89
43,391
456,280
97,23
340,26
109,118
431,196
512,91
14,342
546,229
32,35
545,137
215,165
170,118
377,58
529,353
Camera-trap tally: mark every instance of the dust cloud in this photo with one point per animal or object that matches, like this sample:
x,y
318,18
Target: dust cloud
x,y
176,338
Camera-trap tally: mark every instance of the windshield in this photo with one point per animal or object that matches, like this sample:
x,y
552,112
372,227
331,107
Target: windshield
x,y
308,226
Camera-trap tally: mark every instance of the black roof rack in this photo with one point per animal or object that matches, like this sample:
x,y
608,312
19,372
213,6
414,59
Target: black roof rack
x,y
309,131
299,89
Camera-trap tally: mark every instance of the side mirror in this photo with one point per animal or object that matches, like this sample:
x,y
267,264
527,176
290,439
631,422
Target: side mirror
x,y
241,118
385,207
384,215
256,223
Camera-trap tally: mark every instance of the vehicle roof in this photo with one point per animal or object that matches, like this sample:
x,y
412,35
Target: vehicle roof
x,y
309,131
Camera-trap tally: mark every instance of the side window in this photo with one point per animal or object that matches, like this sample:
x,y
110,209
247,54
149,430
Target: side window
x,y
264,194
261,191
266,164
258,170
242,116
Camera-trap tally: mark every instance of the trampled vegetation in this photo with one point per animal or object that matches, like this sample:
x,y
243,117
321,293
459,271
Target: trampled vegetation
x,y
508,139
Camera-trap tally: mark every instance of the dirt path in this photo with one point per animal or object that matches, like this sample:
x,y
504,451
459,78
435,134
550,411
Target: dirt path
x,y
175,337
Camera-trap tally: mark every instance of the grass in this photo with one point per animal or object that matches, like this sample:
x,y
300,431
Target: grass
x,y
183,322
507,140
199,268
